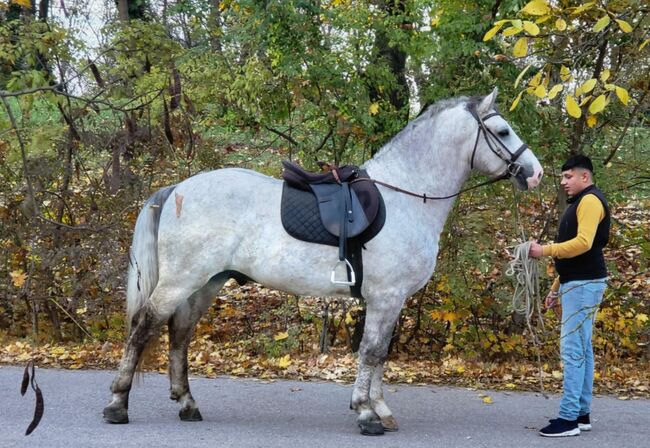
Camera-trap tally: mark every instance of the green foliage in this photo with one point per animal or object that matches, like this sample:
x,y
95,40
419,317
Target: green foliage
x,y
203,85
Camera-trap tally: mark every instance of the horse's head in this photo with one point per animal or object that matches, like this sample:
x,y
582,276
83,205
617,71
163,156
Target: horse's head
x,y
496,150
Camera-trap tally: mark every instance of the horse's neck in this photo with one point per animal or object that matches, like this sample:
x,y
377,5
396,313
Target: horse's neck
x,y
422,165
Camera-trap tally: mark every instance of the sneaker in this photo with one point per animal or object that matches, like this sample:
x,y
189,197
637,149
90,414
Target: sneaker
x,y
560,428
584,423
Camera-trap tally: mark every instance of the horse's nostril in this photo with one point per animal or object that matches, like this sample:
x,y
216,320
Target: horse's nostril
x,y
539,176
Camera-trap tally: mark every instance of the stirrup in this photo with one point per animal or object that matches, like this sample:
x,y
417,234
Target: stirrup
x,y
353,278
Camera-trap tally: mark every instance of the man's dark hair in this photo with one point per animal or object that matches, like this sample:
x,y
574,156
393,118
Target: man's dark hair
x,y
578,161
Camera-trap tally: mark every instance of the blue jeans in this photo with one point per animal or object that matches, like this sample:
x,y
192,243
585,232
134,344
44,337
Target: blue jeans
x,y
580,301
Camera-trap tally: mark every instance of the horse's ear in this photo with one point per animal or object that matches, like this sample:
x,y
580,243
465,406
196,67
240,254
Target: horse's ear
x,y
487,103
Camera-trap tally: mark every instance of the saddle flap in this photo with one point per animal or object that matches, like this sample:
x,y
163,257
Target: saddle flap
x,y
331,205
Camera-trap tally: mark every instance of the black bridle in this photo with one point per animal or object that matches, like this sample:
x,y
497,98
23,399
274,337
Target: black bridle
x,y
513,168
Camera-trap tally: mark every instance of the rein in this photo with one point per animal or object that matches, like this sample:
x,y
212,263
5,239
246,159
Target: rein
x,y
425,196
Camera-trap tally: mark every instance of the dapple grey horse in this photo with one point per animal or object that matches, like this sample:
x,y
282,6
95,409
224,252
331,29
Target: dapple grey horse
x,y
192,237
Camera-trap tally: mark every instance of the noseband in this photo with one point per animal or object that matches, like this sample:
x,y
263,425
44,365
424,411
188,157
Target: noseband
x,y
513,168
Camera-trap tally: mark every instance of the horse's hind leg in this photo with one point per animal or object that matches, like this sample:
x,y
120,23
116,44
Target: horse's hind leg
x,y
181,329
145,323
367,398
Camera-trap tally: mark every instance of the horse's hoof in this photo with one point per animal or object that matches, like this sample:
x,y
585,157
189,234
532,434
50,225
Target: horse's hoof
x,y
389,423
371,428
116,415
190,415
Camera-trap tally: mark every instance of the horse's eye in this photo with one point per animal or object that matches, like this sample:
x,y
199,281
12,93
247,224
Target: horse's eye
x,y
504,133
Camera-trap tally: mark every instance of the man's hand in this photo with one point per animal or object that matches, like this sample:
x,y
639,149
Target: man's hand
x,y
551,300
535,250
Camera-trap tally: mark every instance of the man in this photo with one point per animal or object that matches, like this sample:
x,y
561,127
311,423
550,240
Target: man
x,y
578,254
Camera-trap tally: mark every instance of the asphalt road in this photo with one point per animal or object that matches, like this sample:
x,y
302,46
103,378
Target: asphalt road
x,y
249,413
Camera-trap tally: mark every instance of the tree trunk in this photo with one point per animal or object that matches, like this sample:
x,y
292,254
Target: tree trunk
x,y
123,10
395,58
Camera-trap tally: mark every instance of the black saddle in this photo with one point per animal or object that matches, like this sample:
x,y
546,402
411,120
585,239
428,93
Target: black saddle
x,y
341,208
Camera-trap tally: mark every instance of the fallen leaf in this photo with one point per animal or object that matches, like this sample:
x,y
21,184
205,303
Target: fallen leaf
x,y
281,336
18,278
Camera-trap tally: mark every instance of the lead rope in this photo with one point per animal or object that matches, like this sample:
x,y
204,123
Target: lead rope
x,y
526,298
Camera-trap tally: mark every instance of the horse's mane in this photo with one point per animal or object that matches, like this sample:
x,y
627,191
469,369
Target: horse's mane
x,y
429,112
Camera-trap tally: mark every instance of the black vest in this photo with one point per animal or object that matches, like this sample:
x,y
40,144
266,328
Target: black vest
x,y
591,264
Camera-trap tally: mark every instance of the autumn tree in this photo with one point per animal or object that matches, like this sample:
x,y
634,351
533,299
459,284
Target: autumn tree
x,y
589,60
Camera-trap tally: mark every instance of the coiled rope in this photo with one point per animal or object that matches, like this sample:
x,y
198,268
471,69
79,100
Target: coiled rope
x,y
525,272
526,298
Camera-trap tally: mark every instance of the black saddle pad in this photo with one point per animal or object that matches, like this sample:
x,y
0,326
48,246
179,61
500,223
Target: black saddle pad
x,y
301,218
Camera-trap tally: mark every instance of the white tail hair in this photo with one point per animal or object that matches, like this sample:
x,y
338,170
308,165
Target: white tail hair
x,y
143,257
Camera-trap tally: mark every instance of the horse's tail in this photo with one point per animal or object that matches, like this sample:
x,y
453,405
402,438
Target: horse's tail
x,y
143,257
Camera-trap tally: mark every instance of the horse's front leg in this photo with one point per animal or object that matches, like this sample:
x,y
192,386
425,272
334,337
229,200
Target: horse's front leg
x,y
377,402
367,398
181,329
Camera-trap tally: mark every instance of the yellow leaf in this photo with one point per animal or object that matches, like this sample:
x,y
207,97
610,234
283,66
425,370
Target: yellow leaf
x,y
582,8
521,48
557,374
57,351
560,24
531,28
540,91
598,104
542,19
281,336
435,21
492,32
645,42
624,26
349,319
536,8
592,120
284,362
585,100
642,318
622,95
373,109
487,399
511,31
565,74
602,23
535,80
18,278
604,76
510,386
572,107
610,87
23,3
460,369
555,90
588,86
516,101
521,75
